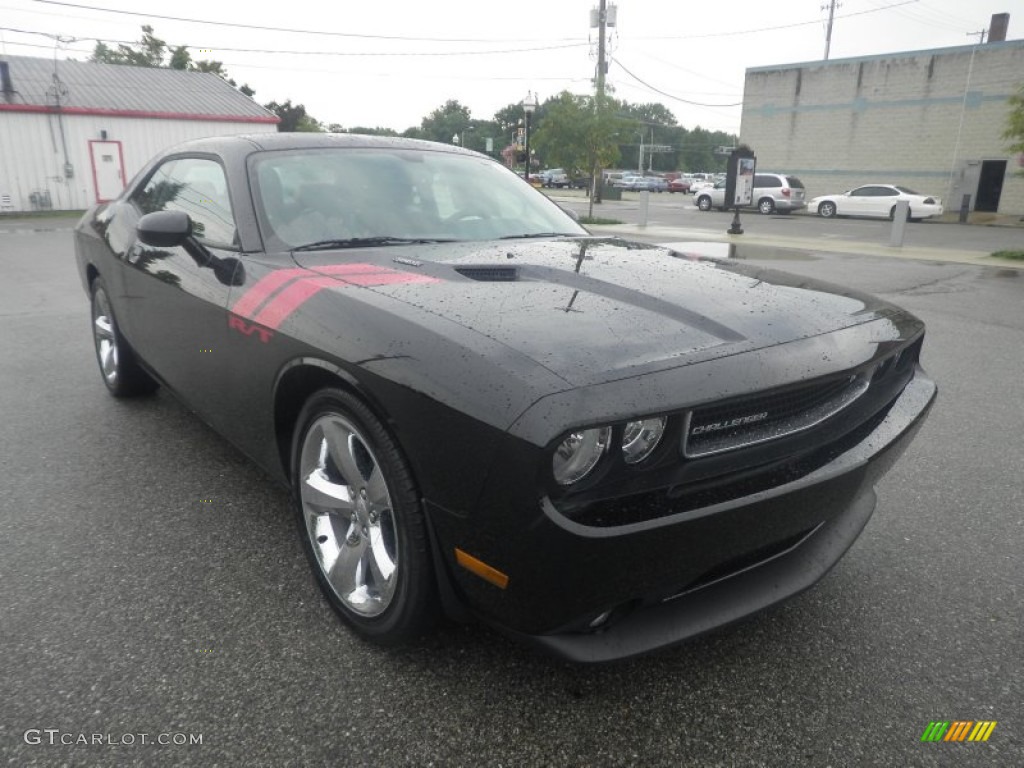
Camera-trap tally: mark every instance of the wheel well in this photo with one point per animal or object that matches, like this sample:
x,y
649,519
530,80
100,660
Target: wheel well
x,y
293,390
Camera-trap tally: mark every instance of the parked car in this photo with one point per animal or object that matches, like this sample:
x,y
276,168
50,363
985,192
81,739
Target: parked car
x,y
708,197
555,177
877,200
640,183
698,184
419,347
679,185
773,192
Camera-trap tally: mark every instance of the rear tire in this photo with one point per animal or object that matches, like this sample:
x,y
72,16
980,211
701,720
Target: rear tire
x,y
118,365
361,521
766,206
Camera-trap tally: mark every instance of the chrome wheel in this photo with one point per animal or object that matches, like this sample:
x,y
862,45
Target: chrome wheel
x,y
348,515
827,210
766,206
104,334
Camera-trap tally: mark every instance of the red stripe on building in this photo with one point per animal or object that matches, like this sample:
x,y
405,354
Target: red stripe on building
x,y
143,113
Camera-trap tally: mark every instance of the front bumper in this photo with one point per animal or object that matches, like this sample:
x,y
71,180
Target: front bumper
x,y
665,580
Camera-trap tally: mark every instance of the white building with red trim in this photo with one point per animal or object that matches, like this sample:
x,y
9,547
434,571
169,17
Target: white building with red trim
x,y
74,133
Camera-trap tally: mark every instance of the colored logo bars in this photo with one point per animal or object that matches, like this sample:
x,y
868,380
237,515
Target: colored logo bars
x,y
959,730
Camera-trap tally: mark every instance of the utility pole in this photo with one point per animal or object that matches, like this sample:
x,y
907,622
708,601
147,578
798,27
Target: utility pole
x,y
828,31
981,36
602,66
602,24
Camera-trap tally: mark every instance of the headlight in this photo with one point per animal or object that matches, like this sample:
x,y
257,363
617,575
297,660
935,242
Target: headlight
x,y
639,438
579,453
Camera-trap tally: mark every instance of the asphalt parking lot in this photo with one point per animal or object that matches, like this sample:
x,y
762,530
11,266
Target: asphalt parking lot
x,y
153,583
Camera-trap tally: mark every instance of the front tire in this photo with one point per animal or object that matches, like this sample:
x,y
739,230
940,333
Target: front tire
x,y
827,210
704,203
120,370
361,522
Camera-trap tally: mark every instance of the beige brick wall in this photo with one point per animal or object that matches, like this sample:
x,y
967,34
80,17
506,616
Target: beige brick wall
x,y
907,118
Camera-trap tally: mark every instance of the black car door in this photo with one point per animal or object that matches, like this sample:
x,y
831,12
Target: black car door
x,y
176,298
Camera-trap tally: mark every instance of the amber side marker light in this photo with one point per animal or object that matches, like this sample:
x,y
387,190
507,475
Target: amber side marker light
x,y
481,569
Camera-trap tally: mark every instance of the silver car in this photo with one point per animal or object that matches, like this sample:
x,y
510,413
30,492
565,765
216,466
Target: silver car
x,y
772,192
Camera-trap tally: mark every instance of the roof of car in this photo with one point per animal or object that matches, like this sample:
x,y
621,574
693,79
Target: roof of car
x,y
286,141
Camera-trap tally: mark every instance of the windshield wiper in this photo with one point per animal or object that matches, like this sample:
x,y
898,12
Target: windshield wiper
x,y
368,242
538,234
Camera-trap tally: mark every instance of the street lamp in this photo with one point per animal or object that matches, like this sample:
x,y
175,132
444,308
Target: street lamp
x,y
529,104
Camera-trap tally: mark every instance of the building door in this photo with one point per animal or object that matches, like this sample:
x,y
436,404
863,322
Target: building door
x,y
965,184
107,169
990,185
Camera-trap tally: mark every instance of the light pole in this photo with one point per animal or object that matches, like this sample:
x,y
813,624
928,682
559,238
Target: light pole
x,y
529,104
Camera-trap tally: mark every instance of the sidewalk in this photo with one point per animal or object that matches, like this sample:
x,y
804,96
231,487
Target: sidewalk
x,y
667,235
673,235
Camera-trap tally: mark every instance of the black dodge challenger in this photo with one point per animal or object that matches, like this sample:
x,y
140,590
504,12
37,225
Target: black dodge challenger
x,y
599,446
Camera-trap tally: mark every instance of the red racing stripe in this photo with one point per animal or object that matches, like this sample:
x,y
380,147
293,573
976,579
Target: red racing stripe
x,y
290,299
266,285
292,293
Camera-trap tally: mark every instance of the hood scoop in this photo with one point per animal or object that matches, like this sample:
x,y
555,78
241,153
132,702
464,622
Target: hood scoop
x,y
490,274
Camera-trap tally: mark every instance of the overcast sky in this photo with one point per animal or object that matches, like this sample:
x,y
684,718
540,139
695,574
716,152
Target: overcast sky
x,y
391,62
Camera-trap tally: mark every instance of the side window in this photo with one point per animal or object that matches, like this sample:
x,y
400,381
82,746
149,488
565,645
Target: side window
x,y
884,192
861,192
766,181
198,187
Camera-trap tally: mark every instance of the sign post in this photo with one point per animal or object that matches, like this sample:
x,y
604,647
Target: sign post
x,y
739,184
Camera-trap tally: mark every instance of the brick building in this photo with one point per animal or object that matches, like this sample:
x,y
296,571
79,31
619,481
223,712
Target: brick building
x,y
930,120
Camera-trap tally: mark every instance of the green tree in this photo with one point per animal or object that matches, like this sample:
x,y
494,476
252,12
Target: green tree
x,y
450,119
582,133
293,118
1014,132
151,51
148,52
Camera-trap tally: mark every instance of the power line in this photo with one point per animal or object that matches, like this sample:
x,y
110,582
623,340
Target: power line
x,y
239,25
669,95
308,52
761,29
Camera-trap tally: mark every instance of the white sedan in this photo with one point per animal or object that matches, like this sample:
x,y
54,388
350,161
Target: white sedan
x,y
878,200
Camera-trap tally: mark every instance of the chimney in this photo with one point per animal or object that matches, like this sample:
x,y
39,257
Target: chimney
x,y
997,29
5,81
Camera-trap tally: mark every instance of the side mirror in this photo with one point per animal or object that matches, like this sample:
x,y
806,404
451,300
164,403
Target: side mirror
x,y
164,229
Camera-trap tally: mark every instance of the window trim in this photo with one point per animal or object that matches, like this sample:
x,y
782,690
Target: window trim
x,y
219,245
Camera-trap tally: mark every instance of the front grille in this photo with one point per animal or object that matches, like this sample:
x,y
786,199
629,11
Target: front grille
x,y
727,426
654,505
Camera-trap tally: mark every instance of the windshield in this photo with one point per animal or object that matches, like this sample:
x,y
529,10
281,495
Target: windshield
x,y
387,195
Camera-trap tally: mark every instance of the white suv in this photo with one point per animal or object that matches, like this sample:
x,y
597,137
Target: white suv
x,y
772,192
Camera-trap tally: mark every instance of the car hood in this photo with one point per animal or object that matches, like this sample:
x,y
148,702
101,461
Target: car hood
x,y
593,310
